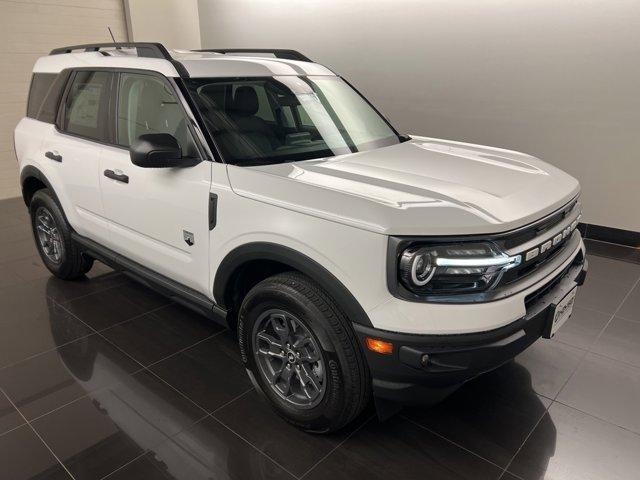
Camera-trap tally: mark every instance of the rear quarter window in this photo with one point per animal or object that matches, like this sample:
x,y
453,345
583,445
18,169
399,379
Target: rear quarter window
x,y
40,85
45,94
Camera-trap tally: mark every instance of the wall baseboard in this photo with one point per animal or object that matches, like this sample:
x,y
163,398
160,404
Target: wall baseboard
x,y
619,236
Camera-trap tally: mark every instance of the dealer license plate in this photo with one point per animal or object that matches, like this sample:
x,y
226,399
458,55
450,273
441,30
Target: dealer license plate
x,y
563,311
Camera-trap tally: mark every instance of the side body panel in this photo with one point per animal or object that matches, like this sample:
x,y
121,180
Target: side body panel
x,y
349,253
151,216
80,182
27,138
74,179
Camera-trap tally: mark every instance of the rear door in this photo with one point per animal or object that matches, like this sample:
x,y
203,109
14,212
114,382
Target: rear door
x,y
158,217
72,150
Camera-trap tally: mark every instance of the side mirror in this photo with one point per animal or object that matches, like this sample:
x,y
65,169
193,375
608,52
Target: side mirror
x,y
157,150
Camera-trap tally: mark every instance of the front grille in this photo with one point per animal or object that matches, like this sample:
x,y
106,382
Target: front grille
x,y
539,228
531,237
527,268
542,291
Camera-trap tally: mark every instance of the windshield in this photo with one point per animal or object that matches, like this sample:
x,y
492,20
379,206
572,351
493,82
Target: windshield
x,y
256,121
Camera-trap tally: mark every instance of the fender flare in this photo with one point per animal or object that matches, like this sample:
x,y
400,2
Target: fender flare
x,y
294,259
31,171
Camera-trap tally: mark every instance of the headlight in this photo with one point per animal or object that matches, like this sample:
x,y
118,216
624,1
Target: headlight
x,y
456,268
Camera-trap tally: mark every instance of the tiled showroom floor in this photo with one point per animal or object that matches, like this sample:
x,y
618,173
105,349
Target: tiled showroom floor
x,y
102,377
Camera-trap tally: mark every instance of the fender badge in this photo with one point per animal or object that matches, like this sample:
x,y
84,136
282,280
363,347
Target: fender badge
x,y
188,238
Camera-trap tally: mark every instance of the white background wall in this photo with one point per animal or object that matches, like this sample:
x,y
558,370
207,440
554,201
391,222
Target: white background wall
x,y
557,79
28,30
173,23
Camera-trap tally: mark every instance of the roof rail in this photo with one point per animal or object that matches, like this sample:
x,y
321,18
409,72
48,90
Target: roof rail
x,y
277,52
143,49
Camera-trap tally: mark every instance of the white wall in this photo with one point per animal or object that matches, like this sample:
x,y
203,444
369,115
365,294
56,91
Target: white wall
x,y
173,23
28,30
557,79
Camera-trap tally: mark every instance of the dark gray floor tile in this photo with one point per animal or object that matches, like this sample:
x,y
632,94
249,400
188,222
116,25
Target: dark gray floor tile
x,y
154,336
607,389
89,442
400,449
9,416
620,341
106,308
509,476
99,278
582,329
612,270
601,295
292,448
9,277
15,231
227,342
28,269
50,380
23,456
549,364
157,405
17,249
145,467
568,445
205,373
95,435
32,323
11,219
208,450
12,205
631,307
491,415
610,250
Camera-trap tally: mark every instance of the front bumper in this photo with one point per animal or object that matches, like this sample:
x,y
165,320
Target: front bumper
x,y
423,369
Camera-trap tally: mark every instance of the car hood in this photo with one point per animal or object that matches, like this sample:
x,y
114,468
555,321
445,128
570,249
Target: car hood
x,y
423,186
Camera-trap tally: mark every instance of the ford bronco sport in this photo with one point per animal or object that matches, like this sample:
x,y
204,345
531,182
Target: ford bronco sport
x,y
262,190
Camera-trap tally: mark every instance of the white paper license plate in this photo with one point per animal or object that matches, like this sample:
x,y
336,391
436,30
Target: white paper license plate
x,y
563,310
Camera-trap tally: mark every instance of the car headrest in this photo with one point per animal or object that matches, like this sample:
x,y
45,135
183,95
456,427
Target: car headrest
x,y
245,101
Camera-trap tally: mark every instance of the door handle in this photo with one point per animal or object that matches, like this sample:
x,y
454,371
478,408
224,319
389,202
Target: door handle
x,y
54,156
118,176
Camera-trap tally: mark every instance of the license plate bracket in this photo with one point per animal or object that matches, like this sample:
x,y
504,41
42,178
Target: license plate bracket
x,y
560,313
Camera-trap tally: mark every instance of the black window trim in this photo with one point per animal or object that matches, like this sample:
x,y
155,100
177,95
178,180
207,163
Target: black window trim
x,y
113,97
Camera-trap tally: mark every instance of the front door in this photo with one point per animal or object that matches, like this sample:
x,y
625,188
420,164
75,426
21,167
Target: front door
x,y
158,216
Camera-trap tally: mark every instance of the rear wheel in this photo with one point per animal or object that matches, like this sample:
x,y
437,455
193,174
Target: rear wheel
x,y
302,353
60,254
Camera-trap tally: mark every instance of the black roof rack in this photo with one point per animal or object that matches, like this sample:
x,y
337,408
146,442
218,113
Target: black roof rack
x,y
143,49
277,52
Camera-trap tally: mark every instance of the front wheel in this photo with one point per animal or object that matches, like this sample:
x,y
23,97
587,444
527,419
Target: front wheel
x,y
302,352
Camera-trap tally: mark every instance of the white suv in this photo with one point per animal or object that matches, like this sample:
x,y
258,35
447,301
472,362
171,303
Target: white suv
x,y
265,192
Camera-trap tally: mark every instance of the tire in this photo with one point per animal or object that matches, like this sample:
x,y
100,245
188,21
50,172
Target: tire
x,y
336,387
60,254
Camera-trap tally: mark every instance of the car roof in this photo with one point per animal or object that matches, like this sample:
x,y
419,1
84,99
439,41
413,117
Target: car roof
x,y
196,63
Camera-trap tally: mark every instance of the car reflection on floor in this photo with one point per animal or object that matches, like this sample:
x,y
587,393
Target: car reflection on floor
x,y
139,412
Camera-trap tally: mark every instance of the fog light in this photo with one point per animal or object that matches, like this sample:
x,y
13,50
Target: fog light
x,y
424,360
379,346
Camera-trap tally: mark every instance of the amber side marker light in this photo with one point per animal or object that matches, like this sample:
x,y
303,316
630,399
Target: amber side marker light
x,y
379,346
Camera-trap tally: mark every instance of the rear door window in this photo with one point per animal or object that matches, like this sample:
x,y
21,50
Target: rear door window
x,y
86,107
